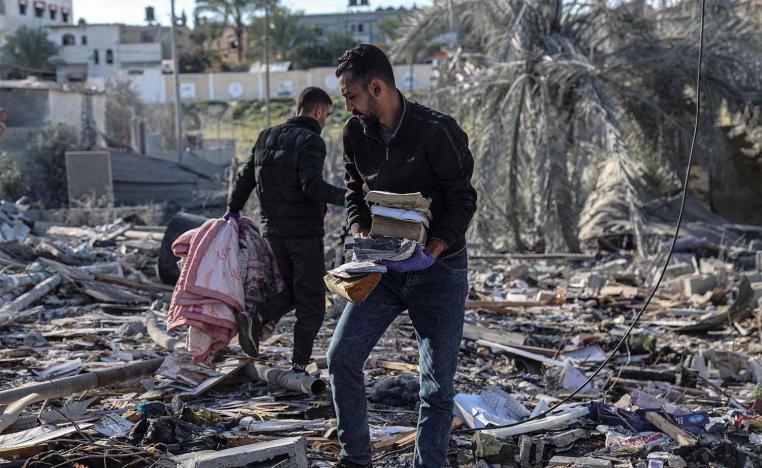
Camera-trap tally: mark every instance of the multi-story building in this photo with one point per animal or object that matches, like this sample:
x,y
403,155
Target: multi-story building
x,y
33,14
361,24
96,51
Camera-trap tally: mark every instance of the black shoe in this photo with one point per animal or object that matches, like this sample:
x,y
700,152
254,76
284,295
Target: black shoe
x,y
249,328
298,368
343,463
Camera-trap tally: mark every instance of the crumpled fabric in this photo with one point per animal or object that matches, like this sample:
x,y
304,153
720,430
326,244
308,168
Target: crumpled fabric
x,y
261,277
419,260
210,288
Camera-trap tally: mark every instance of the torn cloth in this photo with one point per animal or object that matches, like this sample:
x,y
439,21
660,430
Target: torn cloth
x,y
210,288
261,277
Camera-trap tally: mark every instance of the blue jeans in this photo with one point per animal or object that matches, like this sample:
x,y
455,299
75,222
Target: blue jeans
x,y
435,300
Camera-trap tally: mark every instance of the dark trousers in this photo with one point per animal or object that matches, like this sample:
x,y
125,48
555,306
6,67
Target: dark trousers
x,y
435,299
302,263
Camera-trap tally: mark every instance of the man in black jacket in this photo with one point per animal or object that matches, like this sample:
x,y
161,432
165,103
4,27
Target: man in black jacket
x,y
394,145
286,169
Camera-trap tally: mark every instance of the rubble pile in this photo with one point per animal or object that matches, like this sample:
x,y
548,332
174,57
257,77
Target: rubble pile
x,y
90,376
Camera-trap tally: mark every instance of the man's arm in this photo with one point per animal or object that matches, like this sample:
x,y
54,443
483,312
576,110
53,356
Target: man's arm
x,y
311,159
358,213
245,181
453,166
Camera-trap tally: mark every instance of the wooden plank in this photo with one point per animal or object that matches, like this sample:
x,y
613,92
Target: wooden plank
x,y
502,306
536,256
400,440
133,284
677,434
113,294
226,369
395,365
10,310
522,353
113,234
475,333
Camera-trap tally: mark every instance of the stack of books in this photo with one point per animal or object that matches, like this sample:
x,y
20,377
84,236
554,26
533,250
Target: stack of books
x,y
399,223
400,215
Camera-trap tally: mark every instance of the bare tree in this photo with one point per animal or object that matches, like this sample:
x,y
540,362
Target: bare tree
x,y
237,11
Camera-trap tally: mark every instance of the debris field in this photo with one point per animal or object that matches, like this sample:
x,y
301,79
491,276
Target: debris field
x,y
90,377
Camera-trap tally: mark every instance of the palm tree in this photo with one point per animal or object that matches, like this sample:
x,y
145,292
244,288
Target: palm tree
x,y
286,34
237,11
580,110
29,51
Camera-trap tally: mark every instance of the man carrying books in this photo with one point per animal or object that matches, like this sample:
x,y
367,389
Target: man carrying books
x,y
286,169
400,147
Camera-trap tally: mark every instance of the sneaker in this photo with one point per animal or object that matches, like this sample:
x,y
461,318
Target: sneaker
x,y
298,368
344,463
249,327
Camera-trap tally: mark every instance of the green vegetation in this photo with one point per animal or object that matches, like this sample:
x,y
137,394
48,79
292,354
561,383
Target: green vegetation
x,y
28,52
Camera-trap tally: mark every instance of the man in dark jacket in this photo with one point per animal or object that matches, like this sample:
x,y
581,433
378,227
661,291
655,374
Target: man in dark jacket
x,y
394,145
286,169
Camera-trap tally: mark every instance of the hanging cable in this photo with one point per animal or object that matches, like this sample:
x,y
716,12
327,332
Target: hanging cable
x,y
664,267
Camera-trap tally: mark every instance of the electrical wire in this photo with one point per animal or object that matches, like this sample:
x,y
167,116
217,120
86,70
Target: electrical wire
x,y
663,269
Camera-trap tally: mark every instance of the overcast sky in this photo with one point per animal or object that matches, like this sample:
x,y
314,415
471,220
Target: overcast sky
x,y
133,11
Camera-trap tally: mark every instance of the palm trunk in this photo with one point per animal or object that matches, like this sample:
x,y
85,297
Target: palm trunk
x,y
512,205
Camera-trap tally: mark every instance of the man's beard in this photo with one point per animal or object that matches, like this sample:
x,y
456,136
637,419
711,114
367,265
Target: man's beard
x,y
370,117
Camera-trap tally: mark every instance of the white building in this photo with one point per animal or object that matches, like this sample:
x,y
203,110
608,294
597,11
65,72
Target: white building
x,y
33,14
93,52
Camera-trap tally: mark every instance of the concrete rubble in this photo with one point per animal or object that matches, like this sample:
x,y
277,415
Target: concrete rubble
x,y
82,324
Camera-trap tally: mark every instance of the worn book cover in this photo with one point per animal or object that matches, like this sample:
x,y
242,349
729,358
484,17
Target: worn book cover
x,y
389,227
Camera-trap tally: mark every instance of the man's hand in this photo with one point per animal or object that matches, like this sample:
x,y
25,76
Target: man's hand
x,y
363,233
435,248
231,215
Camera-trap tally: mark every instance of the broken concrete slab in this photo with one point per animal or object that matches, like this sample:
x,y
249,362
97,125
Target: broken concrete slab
x,y
494,450
291,452
579,462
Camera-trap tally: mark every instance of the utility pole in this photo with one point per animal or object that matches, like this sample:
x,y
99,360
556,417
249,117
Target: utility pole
x,y
412,71
176,72
267,63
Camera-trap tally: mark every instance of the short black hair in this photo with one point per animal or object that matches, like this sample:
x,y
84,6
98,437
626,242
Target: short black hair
x,y
366,62
311,97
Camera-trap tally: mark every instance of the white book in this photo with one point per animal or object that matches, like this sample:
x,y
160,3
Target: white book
x,y
398,213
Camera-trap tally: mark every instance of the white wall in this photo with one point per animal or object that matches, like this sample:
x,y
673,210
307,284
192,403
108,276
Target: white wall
x,y
65,108
150,85
237,85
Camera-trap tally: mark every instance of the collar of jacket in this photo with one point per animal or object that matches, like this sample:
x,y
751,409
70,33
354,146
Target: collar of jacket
x,y
306,122
372,130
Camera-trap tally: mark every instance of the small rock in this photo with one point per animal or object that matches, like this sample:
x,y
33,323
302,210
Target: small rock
x,y
401,390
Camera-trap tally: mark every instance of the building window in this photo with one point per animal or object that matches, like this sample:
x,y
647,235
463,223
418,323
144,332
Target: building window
x,y
110,56
360,27
68,39
22,8
39,9
2,7
83,40
53,14
64,17
96,57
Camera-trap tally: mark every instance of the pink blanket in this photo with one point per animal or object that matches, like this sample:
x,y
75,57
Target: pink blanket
x,y
210,289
